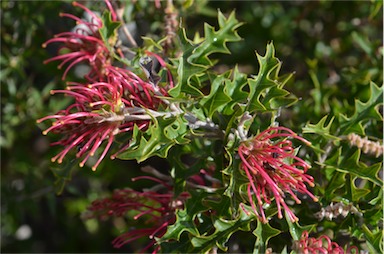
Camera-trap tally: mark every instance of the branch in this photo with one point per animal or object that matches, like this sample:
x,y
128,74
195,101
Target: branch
x,y
130,38
241,131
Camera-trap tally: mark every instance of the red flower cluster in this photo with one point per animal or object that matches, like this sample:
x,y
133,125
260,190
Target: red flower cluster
x,y
323,244
273,169
83,43
111,101
98,113
157,211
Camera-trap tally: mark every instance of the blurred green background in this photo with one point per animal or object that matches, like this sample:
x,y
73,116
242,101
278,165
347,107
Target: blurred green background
x,y
334,48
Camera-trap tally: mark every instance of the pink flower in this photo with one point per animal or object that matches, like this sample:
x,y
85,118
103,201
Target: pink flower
x,y
84,43
140,92
155,210
101,111
273,170
323,244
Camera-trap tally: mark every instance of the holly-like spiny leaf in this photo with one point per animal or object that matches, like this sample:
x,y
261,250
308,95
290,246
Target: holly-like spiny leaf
x,y
192,65
217,98
109,35
321,128
162,134
356,194
108,31
352,165
234,180
263,233
215,41
184,223
363,112
186,69
268,81
223,231
185,217
182,171
234,88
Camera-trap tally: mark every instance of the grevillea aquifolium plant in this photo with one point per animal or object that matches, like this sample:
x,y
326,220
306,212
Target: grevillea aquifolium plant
x,y
233,165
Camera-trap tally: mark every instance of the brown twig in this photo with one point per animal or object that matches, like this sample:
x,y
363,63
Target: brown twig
x,y
119,12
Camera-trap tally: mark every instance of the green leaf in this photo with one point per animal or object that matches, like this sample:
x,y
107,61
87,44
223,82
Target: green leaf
x,y
378,198
109,35
217,98
63,175
215,41
336,182
223,231
357,193
184,222
321,128
220,204
162,134
185,218
374,240
108,31
295,229
263,233
193,63
202,239
363,112
186,69
180,171
234,180
352,165
266,91
149,43
362,42
234,89
182,246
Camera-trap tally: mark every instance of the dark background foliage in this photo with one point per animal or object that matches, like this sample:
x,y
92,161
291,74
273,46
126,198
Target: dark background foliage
x,y
334,48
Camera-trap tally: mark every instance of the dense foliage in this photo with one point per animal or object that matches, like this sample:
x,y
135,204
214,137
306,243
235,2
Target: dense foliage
x,y
182,126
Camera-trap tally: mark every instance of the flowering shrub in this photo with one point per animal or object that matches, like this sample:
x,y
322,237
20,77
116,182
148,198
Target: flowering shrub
x,y
232,165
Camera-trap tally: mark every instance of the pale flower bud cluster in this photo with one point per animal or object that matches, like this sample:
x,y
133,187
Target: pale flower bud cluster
x,y
366,146
335,210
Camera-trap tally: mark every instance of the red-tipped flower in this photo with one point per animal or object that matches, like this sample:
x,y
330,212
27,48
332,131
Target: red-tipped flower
x,y
321,245
273,169
101,110
83,43
156,210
